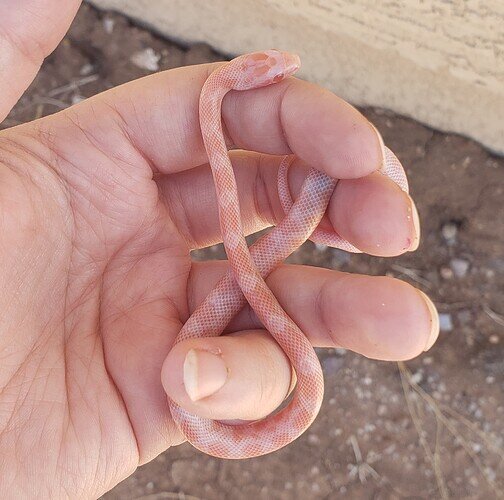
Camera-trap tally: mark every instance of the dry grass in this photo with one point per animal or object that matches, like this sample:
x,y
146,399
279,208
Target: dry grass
x,y
493,315
449,420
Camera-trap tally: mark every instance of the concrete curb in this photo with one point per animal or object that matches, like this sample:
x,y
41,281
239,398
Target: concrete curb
x,y
434,61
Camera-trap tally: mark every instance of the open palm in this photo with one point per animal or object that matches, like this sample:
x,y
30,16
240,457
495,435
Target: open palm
x,y
100,206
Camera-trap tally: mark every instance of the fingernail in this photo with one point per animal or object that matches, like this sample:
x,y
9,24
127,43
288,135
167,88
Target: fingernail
x,y
381,146
413,216
204,374
434,318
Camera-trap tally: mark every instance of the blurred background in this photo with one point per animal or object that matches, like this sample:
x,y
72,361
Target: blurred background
x,y
430,75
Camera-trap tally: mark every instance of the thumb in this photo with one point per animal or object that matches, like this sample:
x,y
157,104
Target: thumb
x,y
29,32
244,376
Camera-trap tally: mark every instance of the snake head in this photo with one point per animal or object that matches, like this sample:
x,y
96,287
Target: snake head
x,y
264,68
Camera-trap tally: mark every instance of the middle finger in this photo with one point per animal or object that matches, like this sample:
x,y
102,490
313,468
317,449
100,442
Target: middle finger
x,y
377,316
372,212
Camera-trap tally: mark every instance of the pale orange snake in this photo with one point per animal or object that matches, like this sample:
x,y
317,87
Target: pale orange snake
x,y
248,268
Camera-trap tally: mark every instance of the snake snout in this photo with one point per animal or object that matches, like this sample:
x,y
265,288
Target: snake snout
x,y
264,68
292,63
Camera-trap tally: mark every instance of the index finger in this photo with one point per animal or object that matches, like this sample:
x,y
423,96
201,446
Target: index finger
x,y
159,116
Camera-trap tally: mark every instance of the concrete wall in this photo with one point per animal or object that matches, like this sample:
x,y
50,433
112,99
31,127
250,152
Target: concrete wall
x,y
440,62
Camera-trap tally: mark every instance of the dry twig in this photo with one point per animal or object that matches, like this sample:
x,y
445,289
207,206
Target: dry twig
x,y
413,274
441,418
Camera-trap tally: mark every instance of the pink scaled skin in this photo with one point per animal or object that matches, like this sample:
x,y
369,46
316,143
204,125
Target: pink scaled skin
x,y
248,268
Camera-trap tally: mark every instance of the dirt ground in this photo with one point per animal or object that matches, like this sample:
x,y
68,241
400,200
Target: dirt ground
x,y
431,428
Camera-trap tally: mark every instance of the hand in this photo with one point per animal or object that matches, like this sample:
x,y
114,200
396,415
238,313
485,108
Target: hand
x,y
99,207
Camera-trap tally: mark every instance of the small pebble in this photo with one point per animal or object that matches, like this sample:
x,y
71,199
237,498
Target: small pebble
x,y
108,25
459,267
87,69
491,475
449,232
77,98
493,339
420,151
490,379
146,59
445,322
490,274
417,377
446,273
